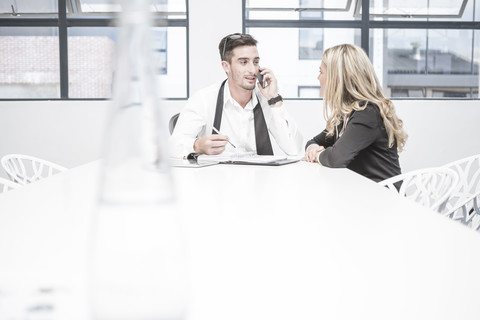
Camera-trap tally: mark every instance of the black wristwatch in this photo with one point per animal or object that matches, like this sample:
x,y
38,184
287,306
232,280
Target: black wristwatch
x,y
275,100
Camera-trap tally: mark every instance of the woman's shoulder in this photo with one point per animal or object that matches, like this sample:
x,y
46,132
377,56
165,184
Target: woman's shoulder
x,y
370,106
370,115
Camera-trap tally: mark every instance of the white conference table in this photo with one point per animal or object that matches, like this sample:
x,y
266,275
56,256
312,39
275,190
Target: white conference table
x,y
298,241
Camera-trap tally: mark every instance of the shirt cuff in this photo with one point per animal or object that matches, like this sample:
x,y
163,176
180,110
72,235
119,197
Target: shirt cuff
x,y
188,147
279,112
280,116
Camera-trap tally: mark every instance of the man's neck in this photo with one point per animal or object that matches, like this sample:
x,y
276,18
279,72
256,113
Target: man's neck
x,y
241,95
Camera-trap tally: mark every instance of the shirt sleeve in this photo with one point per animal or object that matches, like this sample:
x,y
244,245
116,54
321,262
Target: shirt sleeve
x,y
360,132
284,130
191,124
322,139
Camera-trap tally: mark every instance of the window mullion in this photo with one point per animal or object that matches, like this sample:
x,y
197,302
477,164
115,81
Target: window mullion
x,y
365,33
63,48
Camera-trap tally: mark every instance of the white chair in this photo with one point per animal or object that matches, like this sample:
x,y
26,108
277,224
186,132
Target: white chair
x,y
462,204
466,211
24,169
6,185
431,187
474,222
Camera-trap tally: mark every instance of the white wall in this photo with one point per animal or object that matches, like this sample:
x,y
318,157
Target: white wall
x,y
70,133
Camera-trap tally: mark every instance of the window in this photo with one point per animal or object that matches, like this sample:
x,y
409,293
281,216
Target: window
x,y
67,49
17,8
419,48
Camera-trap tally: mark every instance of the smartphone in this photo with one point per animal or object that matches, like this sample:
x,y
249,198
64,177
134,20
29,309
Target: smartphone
x,y
260,79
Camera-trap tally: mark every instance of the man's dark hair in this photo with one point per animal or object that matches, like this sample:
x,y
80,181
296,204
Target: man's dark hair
x,y
232,41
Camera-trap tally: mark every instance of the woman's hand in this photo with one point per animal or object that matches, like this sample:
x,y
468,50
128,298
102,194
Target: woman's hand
x,y
311,154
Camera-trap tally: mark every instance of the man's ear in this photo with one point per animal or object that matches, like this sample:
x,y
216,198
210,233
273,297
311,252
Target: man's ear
x,y
226,67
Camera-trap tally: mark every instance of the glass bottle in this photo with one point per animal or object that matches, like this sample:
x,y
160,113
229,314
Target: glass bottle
x,y
137,262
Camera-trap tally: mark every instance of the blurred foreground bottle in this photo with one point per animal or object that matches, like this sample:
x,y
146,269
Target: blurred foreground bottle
x,y
138,266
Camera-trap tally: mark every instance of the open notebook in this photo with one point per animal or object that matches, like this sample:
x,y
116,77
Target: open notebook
x,y
247,158
190,163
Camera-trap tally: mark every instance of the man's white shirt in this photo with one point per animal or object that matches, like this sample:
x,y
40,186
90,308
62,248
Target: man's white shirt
x,y
196,121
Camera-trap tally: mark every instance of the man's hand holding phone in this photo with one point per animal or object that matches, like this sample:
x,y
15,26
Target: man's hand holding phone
x,y
268,83
260,79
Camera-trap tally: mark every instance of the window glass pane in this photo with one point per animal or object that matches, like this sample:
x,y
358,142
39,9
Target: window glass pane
x,y
97,6
91,62
299,9
417,63
477,11
297,77
280,4
28,6
468,13
92,52
176,8
476,52
29,63
405,50
309,14
172,61
450,51
310,44
476,65
420,9
160,47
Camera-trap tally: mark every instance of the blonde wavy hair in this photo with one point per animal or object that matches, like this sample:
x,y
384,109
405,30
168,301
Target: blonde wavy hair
x,y
350,81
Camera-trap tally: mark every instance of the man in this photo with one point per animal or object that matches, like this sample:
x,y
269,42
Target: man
x,y
238,113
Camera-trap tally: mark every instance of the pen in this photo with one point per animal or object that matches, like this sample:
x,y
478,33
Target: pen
x,y
216,130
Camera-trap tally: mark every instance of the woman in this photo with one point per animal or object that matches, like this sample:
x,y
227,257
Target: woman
x,y
363,133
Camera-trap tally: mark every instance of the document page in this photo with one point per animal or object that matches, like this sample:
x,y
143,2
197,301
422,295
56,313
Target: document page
x,y
247,158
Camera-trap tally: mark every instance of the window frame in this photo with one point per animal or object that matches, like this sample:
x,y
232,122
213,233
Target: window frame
x,y
365,25
66,20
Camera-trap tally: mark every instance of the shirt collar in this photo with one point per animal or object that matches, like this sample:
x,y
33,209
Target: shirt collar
x,y
227,97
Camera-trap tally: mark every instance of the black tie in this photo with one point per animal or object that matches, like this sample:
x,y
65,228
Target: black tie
x,y
262,139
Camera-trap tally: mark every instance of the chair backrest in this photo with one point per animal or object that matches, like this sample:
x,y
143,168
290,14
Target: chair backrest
x,y
25,169
474,221
466,211
173,122
6,185
468,171
429,187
